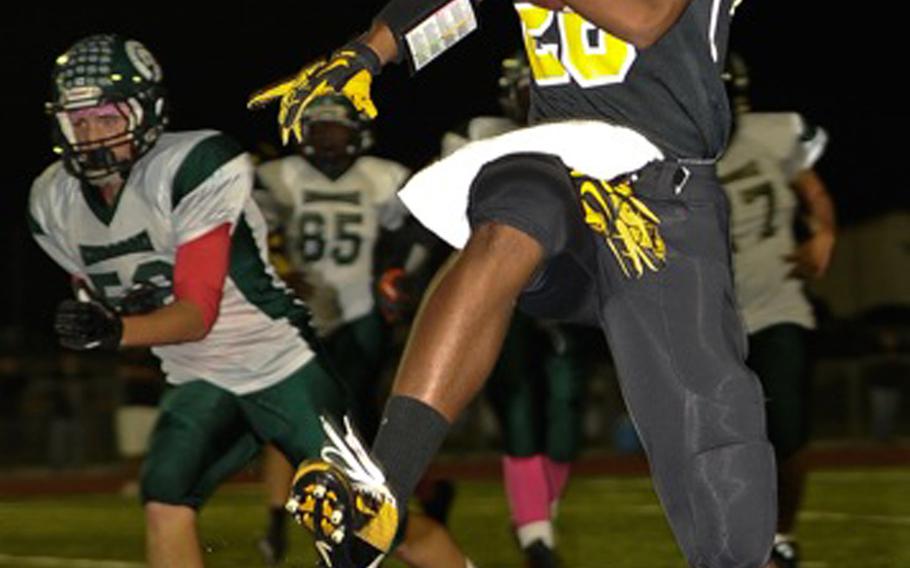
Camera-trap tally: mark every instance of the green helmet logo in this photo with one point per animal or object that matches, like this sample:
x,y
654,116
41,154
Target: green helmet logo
x,y
101,70
143,60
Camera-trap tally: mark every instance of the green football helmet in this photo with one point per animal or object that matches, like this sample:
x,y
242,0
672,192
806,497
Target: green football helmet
x,y
101,70
338,109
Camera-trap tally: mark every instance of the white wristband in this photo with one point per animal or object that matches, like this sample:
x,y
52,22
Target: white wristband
x,y
439,31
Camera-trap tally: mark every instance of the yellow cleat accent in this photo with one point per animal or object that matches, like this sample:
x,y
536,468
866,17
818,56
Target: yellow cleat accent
x,y
380,530
308,506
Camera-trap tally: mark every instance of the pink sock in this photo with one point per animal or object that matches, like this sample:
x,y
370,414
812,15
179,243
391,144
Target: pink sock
x,y
527,489
557,477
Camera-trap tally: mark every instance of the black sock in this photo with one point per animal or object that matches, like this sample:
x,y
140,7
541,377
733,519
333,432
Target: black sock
x,y
410,434
277,518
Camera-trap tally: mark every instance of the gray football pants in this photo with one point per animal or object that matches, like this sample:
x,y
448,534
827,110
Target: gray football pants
x,y
675,336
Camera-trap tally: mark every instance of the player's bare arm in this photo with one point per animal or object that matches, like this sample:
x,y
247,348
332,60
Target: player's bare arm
x,y
179,322
640,22
812,258
199,274
380,39
351,69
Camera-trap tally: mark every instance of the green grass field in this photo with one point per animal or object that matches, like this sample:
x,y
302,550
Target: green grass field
x,y
859,518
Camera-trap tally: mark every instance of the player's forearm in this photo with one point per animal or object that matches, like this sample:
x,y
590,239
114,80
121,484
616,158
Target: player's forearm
x,y
420,30
179,322
381,40
812,192
640,22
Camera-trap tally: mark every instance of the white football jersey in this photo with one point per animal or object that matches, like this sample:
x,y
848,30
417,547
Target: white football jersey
x,y
331,226
187,185
766,153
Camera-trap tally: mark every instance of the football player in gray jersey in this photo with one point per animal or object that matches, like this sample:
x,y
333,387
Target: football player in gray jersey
x,y
608,213
167,249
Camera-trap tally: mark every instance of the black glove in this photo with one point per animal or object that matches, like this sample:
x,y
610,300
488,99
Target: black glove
x,y
142,298
349,71
87,325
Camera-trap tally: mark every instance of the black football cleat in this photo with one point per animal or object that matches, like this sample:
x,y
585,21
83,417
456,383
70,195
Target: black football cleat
x,y
785,554
344,501
539,555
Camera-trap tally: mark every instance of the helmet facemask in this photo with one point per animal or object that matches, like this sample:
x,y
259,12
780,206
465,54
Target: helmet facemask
x,y
101,158
106,76
339,112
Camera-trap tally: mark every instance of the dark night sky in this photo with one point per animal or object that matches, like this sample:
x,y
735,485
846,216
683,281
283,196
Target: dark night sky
x,y
801,58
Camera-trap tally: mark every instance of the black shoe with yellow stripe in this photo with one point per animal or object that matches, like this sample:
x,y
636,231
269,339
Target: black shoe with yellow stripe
x,y
344,501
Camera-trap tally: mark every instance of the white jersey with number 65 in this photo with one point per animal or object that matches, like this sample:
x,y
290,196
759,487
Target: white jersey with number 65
x,y
331,225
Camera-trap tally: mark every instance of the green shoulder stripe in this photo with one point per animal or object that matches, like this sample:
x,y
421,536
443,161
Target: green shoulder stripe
x,y
33,225
250,275
202,161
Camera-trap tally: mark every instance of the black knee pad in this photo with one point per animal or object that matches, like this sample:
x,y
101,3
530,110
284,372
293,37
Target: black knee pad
x,y
535,194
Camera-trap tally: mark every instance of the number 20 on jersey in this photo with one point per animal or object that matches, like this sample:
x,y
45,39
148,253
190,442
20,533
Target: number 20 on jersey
x,y
583,53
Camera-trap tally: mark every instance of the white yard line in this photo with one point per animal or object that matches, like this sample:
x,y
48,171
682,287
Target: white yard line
x,y
54,562
884,474
899,520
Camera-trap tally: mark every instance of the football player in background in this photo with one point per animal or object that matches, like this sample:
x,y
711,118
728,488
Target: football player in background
x,y
168,250
767,172
332,204
610,213
537,385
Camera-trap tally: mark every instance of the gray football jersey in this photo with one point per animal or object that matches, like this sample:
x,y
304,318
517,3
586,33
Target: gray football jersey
x,y
672,92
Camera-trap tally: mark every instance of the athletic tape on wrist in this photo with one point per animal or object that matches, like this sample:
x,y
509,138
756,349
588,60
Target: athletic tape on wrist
x,y
423,33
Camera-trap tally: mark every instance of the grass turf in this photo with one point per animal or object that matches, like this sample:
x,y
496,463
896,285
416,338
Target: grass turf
x,y
850,518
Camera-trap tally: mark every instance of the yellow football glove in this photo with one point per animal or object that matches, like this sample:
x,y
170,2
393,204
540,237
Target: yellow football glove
x,y
629,226
349,71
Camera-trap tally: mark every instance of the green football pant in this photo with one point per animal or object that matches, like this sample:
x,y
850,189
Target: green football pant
x,y
206,434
